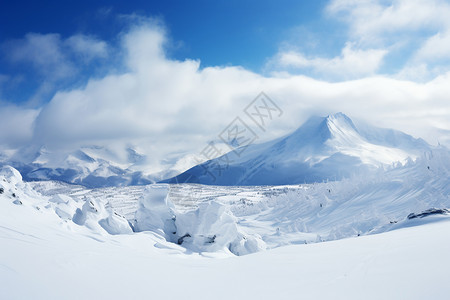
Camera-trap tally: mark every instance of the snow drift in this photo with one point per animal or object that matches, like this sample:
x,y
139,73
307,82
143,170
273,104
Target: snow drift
x,y
243,220
209,228
95,214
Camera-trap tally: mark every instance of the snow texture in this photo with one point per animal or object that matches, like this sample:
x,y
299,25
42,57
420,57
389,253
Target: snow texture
x,y
383,235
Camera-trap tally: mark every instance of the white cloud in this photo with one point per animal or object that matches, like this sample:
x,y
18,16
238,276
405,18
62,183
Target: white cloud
x,y
375,19
43,52
160,100
54,57
165,100
16,124
417,30
87,47
352,63
167,106
435,48
56,61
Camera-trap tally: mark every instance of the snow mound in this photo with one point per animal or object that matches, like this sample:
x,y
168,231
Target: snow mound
x,y
95,214
13,188
156,212
10,175
209,228
64,206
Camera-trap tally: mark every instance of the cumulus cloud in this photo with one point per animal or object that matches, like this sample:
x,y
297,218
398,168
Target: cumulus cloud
x,y
352,63
413,36
435,48
160,98
374,20
430,60
157,101
170,107
416,30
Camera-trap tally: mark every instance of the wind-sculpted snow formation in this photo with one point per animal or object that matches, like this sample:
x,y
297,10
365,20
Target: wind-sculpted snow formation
x,y
211,227
93,213
243,220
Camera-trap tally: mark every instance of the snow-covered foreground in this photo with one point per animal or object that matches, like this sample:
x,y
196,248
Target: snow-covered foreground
x,y
60,241
273,216
39,261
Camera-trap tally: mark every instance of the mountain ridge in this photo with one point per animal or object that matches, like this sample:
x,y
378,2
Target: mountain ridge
x,y
323,148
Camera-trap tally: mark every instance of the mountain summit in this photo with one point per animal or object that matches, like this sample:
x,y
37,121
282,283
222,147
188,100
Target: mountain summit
x,y
323,148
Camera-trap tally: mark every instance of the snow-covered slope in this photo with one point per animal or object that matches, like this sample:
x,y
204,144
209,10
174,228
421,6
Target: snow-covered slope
x,y
324,148
272,216
62,241
92,166
410,263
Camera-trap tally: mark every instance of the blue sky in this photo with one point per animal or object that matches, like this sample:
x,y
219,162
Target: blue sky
x,y
218,32
170,75
321,39
244,33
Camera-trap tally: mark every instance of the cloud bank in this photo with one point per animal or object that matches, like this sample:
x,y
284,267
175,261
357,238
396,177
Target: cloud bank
x,y
408,39
170,108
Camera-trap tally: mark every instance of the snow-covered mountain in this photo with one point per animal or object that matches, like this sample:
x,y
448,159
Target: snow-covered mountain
x,y
327,148
323,148
92,166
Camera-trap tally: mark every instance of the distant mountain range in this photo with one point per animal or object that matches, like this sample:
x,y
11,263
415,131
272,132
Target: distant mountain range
x,y
323,148
92,166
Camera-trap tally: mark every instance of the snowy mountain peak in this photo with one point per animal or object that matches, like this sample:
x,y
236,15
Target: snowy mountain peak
x,y
320,129
342,131
323,148
339,122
